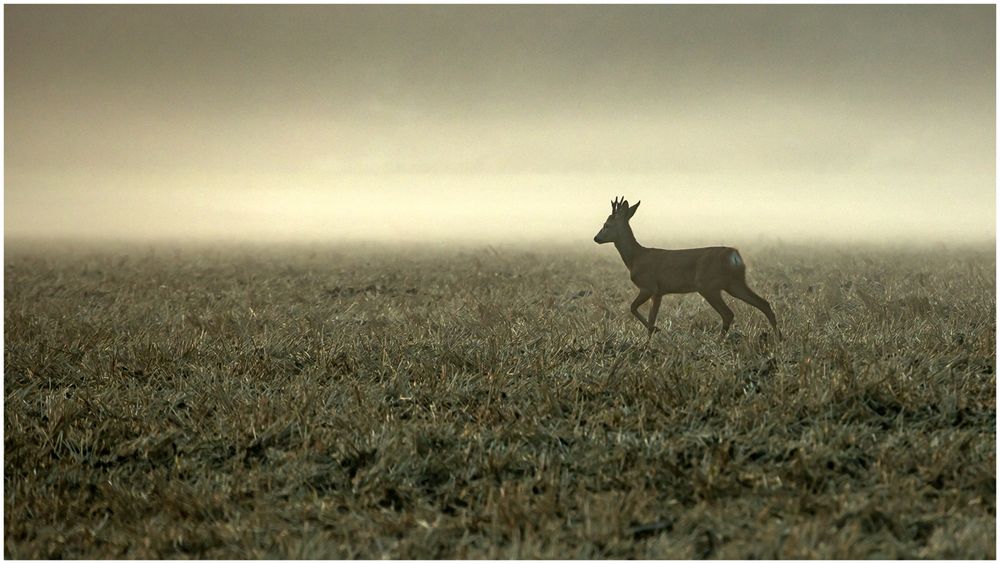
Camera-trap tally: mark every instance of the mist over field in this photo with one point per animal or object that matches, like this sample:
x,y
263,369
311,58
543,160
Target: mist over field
x,y
500,123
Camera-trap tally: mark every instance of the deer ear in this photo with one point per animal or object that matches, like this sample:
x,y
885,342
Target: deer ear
x,y
631,210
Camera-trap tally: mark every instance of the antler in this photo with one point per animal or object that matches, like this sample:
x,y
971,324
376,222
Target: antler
x,y
618,203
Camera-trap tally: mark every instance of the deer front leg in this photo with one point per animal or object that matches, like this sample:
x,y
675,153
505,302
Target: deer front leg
x,y
654,308
643,296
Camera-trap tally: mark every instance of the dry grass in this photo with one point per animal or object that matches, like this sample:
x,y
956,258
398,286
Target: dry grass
x,y
316,402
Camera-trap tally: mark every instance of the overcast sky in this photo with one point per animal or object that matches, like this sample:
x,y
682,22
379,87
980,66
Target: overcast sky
x,y
500,123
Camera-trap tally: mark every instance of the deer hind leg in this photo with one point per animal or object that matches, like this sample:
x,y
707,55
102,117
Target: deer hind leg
x,y
642,298
714,298
741,291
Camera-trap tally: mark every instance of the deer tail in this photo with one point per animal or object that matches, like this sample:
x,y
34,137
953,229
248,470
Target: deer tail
x,y
736,261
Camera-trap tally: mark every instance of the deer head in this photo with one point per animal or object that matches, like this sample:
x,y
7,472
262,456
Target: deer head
x,y
616,226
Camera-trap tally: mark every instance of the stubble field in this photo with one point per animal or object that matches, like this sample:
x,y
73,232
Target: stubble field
x,y
304,402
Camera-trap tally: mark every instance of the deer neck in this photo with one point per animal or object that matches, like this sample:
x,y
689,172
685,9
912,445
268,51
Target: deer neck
x,y
628,247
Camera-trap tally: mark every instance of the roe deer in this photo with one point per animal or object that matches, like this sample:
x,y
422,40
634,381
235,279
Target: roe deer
x,y
656,272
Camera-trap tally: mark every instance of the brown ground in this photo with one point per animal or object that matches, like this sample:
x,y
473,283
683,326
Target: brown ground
x,y
311,402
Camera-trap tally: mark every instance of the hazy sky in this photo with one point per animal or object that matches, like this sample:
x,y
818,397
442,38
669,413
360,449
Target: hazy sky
x,y
500,123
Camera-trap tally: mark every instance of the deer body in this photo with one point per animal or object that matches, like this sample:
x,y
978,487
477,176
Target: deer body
x,y
656,272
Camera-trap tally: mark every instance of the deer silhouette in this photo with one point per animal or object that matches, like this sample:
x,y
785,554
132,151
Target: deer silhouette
x,y
656,272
